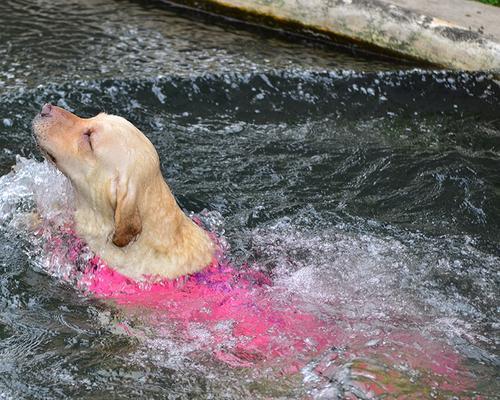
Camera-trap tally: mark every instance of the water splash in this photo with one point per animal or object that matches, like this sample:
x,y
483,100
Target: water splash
x,y
335,304
34,186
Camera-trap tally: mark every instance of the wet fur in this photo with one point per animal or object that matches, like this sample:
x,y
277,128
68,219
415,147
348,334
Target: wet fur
x,y
125,210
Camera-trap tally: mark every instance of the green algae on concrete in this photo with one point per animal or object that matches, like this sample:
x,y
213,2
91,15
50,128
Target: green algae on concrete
x,y
384,25
492,2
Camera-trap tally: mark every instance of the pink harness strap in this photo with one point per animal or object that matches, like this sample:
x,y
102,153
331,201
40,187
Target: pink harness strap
x,y
219,294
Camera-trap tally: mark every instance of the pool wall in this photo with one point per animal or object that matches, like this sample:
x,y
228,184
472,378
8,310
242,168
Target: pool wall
x,y
456,34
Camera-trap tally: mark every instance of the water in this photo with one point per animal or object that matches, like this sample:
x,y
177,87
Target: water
x,y
369,189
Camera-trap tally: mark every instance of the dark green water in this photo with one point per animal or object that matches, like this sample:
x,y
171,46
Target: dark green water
x,y
371,189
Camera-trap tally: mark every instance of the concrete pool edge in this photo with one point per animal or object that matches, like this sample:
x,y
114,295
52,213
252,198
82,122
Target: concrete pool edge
x,y
389,27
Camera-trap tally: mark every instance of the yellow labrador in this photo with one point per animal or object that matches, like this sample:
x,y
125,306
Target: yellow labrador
x,y
124,209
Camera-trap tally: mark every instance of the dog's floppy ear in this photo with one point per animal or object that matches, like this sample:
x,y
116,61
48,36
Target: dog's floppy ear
x,y
128,222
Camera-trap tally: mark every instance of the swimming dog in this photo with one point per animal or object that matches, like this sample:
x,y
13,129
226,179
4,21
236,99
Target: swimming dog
x,y
125,210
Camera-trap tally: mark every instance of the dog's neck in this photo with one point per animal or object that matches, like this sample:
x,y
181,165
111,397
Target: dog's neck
x,y
169,244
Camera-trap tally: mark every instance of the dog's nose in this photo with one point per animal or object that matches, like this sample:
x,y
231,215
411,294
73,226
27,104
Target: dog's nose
x,y
46,109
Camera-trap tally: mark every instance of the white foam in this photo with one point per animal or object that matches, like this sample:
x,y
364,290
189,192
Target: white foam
x,y
34,186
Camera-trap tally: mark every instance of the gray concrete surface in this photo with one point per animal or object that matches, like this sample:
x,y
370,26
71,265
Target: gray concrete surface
x,y
465,13
456,34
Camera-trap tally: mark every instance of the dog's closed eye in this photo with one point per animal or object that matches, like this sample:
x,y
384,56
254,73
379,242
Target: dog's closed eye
x,y
51,157
88,138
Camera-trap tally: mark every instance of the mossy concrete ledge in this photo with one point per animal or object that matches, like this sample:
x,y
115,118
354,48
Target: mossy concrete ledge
x,y
456,34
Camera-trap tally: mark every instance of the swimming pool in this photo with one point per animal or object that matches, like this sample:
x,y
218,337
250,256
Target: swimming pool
x,y
365,187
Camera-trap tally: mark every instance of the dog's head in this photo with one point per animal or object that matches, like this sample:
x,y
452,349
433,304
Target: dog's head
x,y
109,162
